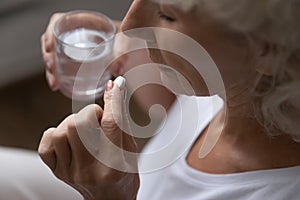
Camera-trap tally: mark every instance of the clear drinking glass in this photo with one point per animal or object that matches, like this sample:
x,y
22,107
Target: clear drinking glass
x,y
83,44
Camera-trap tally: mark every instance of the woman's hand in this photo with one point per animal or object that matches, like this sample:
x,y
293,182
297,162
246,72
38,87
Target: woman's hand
x,y
48,51
62,150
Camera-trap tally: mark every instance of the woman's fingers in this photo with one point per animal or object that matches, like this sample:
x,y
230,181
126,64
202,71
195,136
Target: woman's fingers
x,y
46,149
52,81
49,37
51,73
54,150
63,154
48,51
85,129
64,150
61,148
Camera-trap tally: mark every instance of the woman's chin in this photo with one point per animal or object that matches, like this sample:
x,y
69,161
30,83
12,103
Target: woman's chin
x,y
174,83
177,84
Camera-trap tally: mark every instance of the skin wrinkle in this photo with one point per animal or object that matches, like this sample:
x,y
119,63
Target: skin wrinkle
x,y
258,27
184,5
243,145
236,106
239,102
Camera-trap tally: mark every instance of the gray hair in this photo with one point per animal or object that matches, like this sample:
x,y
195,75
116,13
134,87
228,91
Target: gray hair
x,y
276,96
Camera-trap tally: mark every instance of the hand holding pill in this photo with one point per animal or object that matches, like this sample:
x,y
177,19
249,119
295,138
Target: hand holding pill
x,y
62,149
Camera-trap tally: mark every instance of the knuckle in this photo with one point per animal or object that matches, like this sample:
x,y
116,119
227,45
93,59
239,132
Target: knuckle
x,y
107,96
43,153
109,124
66,128
89,116
59,136
93,110
44,147
71,124
78,121
97,108
55,16
70,119
49,131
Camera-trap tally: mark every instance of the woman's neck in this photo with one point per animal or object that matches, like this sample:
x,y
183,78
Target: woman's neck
x,y
240,143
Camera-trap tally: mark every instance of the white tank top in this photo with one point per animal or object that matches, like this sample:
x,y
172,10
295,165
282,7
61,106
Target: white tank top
x,y
179,181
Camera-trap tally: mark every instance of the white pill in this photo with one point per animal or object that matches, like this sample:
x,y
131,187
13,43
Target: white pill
x,y
120,81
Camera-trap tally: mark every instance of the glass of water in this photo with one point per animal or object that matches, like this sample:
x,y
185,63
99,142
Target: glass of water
x,y
83,44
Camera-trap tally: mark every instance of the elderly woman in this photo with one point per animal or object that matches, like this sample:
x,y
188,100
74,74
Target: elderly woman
x,y
255,45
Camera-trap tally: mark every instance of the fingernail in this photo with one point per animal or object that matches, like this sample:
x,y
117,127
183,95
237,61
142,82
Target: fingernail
x,y
120,81
109,85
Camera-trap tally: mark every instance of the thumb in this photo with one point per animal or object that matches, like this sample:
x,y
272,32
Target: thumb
x,y
115,123
113,115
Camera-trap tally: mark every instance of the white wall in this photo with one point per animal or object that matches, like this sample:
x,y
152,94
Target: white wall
x,y
22,22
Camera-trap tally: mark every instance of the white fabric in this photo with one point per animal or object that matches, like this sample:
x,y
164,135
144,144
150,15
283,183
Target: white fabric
x,y
172,135
180,181
23,176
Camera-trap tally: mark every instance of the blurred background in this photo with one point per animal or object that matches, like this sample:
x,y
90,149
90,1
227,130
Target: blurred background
x,y
27,106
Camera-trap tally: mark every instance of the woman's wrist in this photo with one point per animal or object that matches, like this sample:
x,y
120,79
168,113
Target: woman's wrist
x,y
125,189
